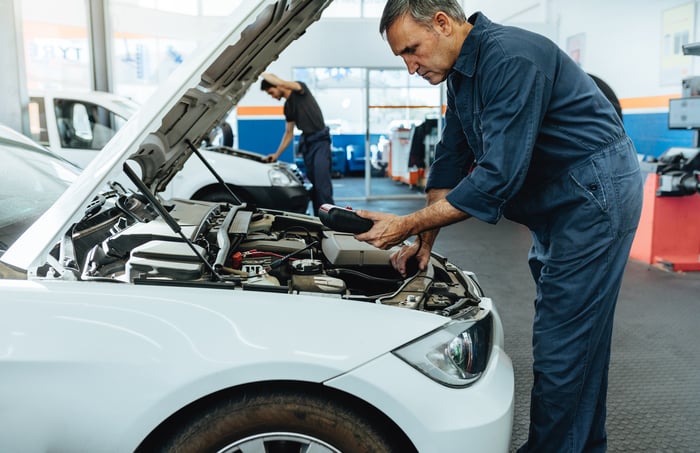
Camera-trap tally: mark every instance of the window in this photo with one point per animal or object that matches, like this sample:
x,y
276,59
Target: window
x,y
83,125
37,121
56,49
355,8
397,101
360,8
151,38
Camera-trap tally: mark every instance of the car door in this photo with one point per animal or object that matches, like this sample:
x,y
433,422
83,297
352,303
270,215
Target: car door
x,y
74,128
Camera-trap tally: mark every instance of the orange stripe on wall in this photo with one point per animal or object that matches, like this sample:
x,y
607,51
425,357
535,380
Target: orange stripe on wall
x,y
402,106
647,102
37,30
260,110
627,103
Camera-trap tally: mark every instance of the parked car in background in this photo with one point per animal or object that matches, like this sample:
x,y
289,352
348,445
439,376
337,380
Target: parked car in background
x,y
76,125
133,321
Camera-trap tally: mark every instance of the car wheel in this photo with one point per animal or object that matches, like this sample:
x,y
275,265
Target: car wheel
x,y
226,134
280,423
221,135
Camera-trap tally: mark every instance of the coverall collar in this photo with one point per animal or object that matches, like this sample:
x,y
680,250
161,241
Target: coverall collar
x,y
468,55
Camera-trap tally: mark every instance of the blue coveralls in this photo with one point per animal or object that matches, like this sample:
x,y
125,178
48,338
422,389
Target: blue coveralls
x,y
302,109
316,149
529,136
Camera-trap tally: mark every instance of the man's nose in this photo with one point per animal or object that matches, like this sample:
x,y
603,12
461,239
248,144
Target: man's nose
x,y
411,65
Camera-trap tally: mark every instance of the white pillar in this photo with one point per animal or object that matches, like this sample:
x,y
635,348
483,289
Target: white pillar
x,y
13,108
99,45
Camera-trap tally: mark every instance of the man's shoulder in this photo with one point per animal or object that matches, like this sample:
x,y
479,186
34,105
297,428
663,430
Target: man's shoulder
x,y
304,88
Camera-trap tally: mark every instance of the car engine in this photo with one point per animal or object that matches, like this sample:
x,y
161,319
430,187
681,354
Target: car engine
x,y
125,238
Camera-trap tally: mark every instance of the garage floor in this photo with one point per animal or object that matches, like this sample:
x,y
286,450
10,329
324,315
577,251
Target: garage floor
x,y
654,390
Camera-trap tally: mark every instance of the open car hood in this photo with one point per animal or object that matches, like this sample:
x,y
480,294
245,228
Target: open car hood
x,y
161,135
222,84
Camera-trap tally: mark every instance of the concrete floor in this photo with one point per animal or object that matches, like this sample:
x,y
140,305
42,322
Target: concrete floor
x,y
654,389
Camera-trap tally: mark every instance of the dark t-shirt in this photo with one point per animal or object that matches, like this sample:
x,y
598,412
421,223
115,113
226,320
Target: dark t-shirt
x,y
301,108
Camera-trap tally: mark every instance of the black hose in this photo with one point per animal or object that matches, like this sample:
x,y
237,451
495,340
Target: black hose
x,y
339,271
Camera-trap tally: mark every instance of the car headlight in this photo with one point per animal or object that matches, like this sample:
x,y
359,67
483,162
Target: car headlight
x,y
454,355
279,177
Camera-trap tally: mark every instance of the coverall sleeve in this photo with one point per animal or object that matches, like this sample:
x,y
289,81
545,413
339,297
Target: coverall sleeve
x,y
506,122
453,156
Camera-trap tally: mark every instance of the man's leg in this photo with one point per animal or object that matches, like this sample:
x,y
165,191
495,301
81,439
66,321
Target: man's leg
x,y
571,349
578,260
317,158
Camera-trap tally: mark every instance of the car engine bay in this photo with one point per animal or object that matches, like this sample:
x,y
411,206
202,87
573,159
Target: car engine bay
x,y
123,237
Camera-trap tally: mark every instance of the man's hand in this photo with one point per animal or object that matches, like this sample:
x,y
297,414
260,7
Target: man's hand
x,y
270,77
418,251
280,83
388,230
270,158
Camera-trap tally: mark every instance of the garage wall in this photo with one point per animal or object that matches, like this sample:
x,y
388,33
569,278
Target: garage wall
x,y
621,44
622,41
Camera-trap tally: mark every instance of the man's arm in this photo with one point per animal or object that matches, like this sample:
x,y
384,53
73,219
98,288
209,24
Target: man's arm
x,y
428,237
280,83
286,140
420,249
390,230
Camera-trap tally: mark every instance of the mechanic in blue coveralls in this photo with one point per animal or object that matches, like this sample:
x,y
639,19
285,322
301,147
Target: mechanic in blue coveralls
x,y
527,136
302,110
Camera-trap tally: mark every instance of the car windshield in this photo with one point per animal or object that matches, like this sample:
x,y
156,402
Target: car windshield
x,y
30,181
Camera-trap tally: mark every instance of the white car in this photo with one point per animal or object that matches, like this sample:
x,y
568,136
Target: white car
x,y
135,322
78,124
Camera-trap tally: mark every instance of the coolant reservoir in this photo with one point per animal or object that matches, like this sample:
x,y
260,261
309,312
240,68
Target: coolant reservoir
x,y
307,275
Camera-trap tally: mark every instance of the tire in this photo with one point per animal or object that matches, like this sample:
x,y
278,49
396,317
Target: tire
x,y
221,135
281,422
227,134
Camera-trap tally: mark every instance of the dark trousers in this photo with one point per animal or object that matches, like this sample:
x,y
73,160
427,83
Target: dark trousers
x,y
581,242
316,150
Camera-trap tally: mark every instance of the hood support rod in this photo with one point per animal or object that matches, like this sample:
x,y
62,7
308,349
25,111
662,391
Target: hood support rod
x,y
213,172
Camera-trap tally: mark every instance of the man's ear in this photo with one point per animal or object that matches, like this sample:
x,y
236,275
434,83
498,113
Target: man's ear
x,y
442,23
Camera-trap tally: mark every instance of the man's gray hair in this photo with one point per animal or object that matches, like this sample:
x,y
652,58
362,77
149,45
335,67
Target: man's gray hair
x,y
422,11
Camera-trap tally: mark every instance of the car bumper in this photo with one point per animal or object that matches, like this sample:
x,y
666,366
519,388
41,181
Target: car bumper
x,y
288,198
434,417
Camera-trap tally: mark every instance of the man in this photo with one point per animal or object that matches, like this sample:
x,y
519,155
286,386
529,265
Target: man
x,y
527,136
302,110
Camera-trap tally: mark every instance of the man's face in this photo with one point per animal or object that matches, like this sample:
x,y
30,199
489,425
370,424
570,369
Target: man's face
x,y
424,50
275,93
